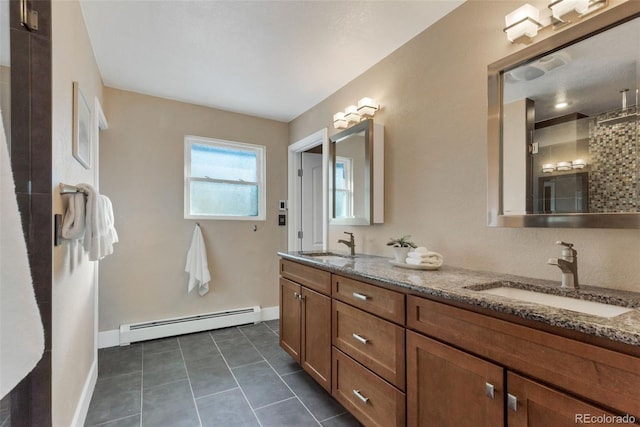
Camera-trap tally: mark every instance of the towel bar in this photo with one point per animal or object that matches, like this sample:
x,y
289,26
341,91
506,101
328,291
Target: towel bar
x,y
70,189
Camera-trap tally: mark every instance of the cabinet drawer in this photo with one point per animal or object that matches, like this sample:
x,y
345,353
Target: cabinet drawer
x,y
373,401
599,374
379,301
374,342
316,279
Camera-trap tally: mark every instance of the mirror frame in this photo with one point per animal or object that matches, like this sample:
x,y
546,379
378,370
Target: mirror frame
x,y
365,126
607,19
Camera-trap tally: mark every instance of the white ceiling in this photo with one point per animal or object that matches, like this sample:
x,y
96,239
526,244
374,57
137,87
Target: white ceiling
x,y
271,59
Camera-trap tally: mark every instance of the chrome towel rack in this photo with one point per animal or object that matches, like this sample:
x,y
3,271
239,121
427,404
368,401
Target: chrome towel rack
x,y
70,189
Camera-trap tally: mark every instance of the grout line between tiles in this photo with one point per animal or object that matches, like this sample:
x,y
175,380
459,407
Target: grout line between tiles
x,y
193,396
249,364
283,381
275,403
236,380
111,421
334,416
217,393
141,383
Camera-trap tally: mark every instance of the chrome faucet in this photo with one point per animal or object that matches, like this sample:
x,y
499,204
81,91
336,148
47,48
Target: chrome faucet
x,y
351,244
568,264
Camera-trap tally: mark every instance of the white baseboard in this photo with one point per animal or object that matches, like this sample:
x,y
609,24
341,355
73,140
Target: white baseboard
x,y
109,338
112,338
270,313
82,409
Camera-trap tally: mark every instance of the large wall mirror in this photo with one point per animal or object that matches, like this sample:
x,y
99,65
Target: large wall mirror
x,y
564,128
356,171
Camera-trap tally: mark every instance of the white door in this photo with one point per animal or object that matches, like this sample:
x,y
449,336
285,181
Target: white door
x,y
311,200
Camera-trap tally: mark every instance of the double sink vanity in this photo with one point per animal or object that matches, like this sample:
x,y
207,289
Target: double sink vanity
x,y
456,347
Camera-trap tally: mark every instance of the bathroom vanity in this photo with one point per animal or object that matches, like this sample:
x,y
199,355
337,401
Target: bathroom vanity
x,y
403,347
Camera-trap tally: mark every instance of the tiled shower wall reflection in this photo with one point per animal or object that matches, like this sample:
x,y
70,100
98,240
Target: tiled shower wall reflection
x,y
614,176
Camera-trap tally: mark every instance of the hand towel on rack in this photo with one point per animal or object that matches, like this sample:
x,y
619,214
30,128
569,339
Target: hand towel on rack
x,y
21,332
100,235
73,222
197,265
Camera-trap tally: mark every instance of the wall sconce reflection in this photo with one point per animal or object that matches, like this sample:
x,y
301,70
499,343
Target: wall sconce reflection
x,y
563,166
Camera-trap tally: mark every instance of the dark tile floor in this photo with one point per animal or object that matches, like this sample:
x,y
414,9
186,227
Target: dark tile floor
x,y
227,377
5,420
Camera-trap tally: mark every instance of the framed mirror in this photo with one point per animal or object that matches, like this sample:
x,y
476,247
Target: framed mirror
x,y
356,174
563,128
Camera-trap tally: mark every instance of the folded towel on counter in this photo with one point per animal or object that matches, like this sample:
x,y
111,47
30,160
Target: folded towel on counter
x,y
432,259
74,222
197,265
100,234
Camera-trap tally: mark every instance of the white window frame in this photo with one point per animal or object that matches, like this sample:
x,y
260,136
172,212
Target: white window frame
x,y
348,190
261,161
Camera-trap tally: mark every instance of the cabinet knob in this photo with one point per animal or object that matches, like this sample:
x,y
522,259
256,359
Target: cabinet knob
x,y
360,296
489,390
361,339
360,396
512,402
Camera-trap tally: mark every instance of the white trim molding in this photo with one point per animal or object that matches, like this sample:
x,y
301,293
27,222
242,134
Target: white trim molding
x,y
320,137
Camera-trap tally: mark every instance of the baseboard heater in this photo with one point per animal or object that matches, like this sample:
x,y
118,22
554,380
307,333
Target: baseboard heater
x,y
143,331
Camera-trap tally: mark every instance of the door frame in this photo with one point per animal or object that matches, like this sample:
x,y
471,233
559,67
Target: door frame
x,y
294,163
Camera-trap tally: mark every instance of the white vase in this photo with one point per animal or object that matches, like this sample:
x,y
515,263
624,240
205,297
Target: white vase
x,y
401,254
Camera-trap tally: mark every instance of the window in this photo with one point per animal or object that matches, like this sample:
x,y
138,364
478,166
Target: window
x,y
223,179
344,187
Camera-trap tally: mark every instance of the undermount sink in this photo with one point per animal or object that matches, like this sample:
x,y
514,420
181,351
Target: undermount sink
x,y
568,303
330,257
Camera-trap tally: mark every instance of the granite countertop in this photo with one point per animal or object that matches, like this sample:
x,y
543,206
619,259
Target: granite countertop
x,y
461,285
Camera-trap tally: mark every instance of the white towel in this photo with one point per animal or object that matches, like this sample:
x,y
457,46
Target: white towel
x,y
21,333
419,253
431,259
197,265
73,222
100,235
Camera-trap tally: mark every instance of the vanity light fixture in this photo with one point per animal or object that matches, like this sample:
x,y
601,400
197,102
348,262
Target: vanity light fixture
x,y
563,166
367,107
339,121
560,8
352,115
578,164
548,167
524,21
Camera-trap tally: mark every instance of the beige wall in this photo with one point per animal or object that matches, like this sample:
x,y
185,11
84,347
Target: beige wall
x,y
141,170
433,92
73,274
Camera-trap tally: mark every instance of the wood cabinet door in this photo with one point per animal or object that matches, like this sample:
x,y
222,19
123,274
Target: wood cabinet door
x,y
532,404
448,387
316,337
290,324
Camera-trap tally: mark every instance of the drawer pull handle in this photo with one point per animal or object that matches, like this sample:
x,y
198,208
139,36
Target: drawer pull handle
x,y
360,296
489,390
361,339
512,402
360,396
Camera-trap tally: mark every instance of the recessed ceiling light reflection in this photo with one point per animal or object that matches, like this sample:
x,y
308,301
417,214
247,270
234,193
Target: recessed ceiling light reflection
x,y
561,105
